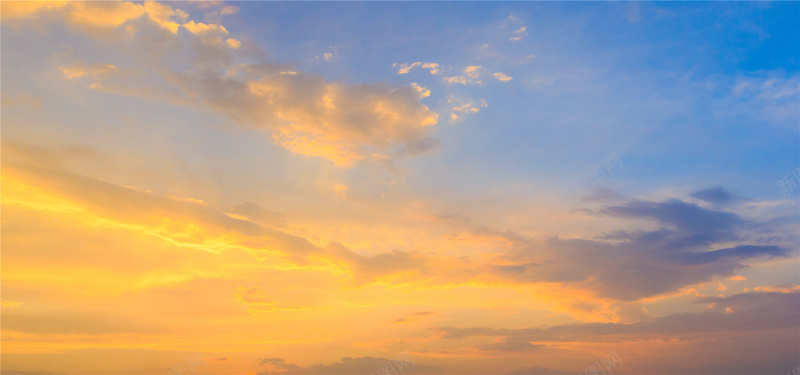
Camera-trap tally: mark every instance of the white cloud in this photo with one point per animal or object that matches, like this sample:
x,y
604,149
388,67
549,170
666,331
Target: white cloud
x,y
514,23
502,77
433,68
456,79
773,94
331,55
471,74
519,34
461,107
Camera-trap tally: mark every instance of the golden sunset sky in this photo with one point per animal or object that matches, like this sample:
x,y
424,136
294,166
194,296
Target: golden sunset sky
x,y
319,188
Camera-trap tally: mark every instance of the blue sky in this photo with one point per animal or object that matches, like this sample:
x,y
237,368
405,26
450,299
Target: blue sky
x,y
651,80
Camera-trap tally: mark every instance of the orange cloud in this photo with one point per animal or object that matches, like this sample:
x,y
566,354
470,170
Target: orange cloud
x,y
304,113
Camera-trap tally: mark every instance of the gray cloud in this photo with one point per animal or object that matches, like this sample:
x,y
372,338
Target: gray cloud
x,y
715,195
367,268
696,224
512,344
745,312
538,370
347,366
738,252
641,263
621,265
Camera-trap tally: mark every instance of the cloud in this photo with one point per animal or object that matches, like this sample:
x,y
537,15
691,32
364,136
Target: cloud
x,y
772,95
331,55
433,68
303,112
109,78
472,71
164,15
190,223
228,9
424,92
40,168
463,107
600,193
767,86
512,344
233,43
214,15
205,29
423,146
738,253
519,31
518,34
254,212
94,18
538,370
416,316
456,79
280,365
103,15
620,265
695,224
80,69
470,76
628,266
331,120
205,4
348,365
715,195
745,312
502,77
18,10
33,101
469,108
366,269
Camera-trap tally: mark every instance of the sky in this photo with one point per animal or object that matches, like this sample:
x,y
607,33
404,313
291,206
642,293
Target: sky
x,y
400,188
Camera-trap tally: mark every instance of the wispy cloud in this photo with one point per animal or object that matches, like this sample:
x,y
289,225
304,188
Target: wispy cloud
x,y
433,68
